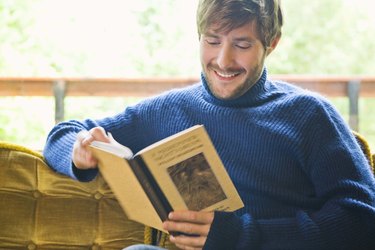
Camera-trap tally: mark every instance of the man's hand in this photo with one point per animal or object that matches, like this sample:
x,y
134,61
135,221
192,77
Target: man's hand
x,y
82,157
194,227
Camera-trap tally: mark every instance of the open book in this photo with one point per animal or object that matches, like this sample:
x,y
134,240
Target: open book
x,y
180,172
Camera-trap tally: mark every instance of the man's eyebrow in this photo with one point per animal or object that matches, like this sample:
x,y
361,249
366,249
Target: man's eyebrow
x,y
237,39
244,39
211,34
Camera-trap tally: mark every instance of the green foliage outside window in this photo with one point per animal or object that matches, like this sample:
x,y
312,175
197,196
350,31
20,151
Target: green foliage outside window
x,y
147,38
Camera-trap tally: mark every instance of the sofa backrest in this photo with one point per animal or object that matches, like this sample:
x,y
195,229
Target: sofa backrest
x,y
365,146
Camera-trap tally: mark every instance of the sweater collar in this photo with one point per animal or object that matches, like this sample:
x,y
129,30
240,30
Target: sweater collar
x,y
255,94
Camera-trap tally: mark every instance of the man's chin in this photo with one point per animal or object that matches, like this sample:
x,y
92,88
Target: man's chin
x,y
226,90
226,96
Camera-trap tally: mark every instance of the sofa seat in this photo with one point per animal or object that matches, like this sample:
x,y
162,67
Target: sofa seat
x,y
41,209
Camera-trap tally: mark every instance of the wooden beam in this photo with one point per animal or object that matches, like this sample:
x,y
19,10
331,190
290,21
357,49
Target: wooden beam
x,y
125,87
26,86
332,86
352,87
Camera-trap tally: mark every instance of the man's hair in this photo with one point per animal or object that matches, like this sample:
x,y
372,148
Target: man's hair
x,y
231,14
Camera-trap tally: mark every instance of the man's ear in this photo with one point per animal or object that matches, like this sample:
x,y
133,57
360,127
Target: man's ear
x,y
273,45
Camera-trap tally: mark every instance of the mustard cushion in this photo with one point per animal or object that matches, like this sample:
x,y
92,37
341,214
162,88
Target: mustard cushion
x,y
41,209
366,149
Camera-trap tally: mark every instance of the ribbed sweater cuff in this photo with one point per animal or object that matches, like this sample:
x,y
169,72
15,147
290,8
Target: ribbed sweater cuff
x,y
224,232
84,175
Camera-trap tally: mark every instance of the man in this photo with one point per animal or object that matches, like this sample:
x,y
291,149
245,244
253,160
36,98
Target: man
x,y
303,178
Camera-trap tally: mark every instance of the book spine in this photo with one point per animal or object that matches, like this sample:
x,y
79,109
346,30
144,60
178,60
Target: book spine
x,y
151,188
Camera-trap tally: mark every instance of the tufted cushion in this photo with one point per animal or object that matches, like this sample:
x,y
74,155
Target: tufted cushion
x,y
366,149
41,209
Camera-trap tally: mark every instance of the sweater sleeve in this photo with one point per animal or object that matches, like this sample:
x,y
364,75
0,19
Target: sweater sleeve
x,y
59,145
231,232
344,185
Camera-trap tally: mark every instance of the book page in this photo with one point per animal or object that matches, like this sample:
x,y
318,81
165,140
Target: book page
x,y
128,191
190,173
114,147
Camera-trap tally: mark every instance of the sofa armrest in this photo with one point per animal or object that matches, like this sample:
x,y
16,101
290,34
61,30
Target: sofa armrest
x,y
43,209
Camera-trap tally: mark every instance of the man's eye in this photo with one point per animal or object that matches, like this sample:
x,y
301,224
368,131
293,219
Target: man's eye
x,y
212,42
244,45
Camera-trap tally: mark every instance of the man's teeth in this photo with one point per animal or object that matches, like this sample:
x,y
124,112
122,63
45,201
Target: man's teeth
x,y
226,75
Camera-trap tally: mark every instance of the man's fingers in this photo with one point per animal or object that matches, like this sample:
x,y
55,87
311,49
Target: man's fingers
x,y
193,225
99,134
187,228
86,137
192,216
82,156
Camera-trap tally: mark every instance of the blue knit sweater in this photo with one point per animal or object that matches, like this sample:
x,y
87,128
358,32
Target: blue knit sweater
x,y
304,180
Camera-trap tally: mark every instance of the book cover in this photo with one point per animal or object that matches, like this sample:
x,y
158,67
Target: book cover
x,y
180,172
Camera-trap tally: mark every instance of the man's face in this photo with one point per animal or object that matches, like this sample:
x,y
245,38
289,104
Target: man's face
x,y
233,61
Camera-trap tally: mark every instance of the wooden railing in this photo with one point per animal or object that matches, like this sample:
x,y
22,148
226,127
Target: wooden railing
x,y
352,87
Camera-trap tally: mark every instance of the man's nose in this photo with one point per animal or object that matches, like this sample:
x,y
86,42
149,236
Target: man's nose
x,y
225,57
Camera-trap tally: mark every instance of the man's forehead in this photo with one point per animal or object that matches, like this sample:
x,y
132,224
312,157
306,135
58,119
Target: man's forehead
x,y
224,29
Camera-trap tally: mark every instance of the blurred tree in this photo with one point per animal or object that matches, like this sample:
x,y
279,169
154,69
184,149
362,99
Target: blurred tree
x,y
14,33
117,38
325,37
164,44
154,38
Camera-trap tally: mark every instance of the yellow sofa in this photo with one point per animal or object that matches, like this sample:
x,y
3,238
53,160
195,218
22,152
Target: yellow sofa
x,y
41,209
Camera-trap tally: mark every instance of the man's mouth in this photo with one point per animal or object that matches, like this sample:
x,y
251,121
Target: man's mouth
x,y
227,75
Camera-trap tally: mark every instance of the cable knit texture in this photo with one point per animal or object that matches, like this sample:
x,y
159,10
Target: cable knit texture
x,y
302,176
